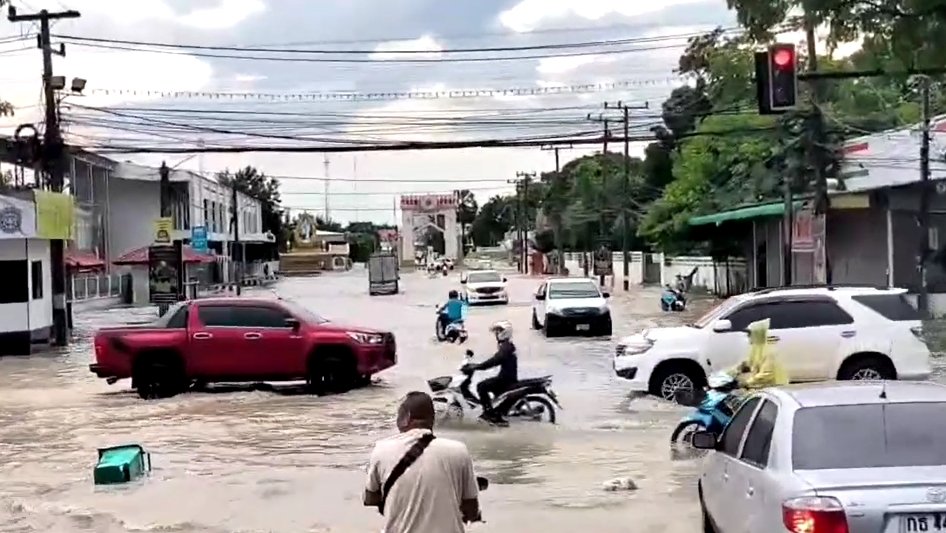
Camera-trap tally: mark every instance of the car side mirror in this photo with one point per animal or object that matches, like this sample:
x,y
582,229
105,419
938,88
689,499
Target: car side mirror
x,y
605,294
482,482
505,280
462,281
539,296
721,326
469,353
704,440
293,323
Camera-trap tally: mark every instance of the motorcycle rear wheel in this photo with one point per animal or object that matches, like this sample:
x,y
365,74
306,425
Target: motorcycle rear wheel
x,y
533,408
685,430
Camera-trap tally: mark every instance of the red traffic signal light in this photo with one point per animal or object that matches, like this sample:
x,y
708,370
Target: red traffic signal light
x,y
783,58
782,77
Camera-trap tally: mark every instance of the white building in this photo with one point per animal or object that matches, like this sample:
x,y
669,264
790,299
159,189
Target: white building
x,y
26,303
119,202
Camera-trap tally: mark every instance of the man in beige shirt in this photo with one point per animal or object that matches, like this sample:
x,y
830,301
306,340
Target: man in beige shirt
x,y
438,493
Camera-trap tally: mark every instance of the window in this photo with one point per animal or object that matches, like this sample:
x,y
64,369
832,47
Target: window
x,y
259,317
890,306
759,438
741,318
732,435
206,221
573,290
869,436
179,319
807,314
36,275
484,277
15,286
241,316
791,314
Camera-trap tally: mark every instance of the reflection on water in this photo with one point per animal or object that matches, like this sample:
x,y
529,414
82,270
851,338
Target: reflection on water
x,y
268,459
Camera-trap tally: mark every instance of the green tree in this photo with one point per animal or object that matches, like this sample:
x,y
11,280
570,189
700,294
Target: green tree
x,y
255,184
493,220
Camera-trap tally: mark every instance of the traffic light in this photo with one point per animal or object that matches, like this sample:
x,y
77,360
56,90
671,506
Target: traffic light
x,y
777,79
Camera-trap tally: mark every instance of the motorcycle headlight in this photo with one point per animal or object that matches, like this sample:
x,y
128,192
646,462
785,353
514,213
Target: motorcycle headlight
x,y
366,338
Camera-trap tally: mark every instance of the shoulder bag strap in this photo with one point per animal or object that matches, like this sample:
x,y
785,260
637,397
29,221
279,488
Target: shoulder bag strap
x,y
409,458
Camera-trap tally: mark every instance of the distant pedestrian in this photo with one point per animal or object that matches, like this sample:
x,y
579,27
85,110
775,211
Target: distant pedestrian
x,y
420,483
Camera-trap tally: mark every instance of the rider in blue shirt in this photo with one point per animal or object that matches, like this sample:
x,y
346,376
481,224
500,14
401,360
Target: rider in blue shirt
x,y
450,312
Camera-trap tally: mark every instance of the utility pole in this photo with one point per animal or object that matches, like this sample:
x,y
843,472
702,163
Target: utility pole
x,y
326,163
522,195
518,218
626,191
604,182
559,245
815,148
925,193
237,251
52,156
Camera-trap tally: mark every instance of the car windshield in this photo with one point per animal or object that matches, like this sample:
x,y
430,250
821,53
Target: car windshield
x,y
573,290
869,436
303,314
484,277
716,312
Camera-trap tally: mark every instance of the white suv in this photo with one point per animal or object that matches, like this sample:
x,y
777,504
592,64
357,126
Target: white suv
x,y
818,334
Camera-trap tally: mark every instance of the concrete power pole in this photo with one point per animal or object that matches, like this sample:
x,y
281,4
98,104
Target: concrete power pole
x,y
53,163
924,218
238,261
626,191
326,163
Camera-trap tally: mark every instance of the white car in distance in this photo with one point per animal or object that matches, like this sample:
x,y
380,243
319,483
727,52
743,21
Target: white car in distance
x,y
484,286
571,305
817,334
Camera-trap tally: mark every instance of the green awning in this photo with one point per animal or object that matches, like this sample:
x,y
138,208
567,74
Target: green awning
x,y
773,209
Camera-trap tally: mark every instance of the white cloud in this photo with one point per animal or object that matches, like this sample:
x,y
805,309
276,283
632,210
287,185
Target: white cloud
x,y
529,15
561,65
226,14
425,42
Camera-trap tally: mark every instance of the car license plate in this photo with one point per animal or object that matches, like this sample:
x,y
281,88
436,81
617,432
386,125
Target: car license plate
x,y
582,327
923,522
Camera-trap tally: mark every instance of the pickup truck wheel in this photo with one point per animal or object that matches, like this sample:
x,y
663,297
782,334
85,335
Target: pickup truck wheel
x,y
159,377
332,371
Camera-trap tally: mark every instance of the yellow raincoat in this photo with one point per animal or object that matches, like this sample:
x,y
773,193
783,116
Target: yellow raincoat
x,y
762,368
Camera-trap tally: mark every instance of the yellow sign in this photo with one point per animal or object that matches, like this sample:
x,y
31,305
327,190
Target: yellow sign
x,y
162,230
55,215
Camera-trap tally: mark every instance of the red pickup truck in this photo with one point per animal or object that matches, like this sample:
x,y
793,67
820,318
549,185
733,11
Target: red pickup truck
x,y
240,340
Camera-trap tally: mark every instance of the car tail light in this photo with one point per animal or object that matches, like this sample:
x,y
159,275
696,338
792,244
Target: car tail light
x,y
918,332
814,514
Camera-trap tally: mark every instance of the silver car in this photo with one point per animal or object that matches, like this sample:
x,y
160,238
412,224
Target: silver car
x,y
844,457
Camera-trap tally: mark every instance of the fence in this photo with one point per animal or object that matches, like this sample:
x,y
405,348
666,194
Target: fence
x,y
92,287
719,277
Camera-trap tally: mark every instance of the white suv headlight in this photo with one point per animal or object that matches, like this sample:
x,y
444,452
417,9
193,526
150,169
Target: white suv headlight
x,y
633,349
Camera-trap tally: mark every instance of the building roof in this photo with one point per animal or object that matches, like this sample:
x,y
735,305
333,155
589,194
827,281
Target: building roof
x,y
139,256
769,209
83,260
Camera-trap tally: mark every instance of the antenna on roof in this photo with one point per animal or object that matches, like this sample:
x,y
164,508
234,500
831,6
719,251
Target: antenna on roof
x,y
883,390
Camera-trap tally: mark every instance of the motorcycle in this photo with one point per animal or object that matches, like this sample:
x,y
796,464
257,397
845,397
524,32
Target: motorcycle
x,y
672,299
713,410
529,399
453,331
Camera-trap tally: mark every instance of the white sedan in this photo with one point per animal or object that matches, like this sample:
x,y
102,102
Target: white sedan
x,y
484,286
571,305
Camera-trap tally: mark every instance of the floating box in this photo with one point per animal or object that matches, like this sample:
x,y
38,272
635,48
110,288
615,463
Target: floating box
x,y
121,464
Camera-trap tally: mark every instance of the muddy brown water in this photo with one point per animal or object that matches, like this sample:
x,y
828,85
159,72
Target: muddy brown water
x,y
244,460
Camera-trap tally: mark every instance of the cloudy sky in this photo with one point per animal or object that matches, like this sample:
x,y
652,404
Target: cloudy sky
x,y
181,91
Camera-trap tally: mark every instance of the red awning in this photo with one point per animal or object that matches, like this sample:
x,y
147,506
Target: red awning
x,y
83,260
139,256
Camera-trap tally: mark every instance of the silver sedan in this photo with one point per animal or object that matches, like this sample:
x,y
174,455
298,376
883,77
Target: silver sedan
x,y
846,457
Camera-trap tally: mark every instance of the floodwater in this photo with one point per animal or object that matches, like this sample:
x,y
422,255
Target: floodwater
x,y
245,460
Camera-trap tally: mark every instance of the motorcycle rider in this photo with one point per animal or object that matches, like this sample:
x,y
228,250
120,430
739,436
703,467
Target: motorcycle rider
x,y
508,363
762,368
451,311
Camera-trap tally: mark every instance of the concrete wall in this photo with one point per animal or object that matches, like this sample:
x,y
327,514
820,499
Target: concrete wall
x,y
34,314
708,277
134,205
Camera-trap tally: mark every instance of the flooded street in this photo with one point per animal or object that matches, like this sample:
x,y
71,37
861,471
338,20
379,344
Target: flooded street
x,y
278,461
